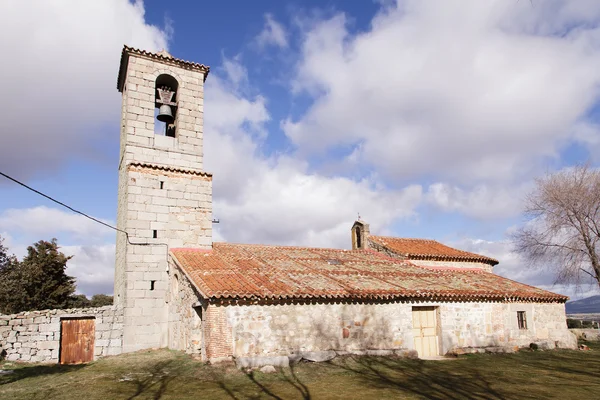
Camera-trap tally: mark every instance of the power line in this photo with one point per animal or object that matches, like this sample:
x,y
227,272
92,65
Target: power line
x,y
81,213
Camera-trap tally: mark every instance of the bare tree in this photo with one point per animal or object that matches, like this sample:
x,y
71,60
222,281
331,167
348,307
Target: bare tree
x,y
563,231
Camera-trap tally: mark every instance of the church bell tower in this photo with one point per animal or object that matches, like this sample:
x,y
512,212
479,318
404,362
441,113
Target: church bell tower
x,y
165,196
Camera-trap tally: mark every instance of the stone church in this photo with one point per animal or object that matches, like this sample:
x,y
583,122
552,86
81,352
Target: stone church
x,y
263,304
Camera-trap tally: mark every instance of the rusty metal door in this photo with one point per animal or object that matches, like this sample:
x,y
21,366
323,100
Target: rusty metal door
x,y
425,331
77,340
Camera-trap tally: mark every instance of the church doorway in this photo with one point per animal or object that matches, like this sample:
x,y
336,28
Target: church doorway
x,y
425,331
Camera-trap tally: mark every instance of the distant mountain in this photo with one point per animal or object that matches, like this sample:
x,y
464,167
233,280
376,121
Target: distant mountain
x,y
584,306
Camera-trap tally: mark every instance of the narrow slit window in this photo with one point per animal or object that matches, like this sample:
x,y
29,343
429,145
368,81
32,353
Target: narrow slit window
x,y
522,319
154,234
162,184
152,285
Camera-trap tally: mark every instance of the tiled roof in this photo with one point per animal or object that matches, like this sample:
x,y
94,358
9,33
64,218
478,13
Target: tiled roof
x,y
241,271
162,56
425,249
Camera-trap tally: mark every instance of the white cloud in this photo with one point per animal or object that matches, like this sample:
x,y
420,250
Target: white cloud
x,y
472,95
61,58
465,92
91,244
273,33
482,201
276,199
93,266
44,222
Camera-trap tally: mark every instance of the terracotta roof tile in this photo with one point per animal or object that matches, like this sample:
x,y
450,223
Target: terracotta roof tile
x,y
426,249
162,56
274,272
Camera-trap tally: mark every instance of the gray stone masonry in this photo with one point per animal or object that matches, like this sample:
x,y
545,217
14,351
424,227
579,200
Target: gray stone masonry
x,y
185,323
267,331
34,336
165,197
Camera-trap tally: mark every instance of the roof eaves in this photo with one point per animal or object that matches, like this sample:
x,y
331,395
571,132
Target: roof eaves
x,y
189,278
127,51
392,296
380,240
442,257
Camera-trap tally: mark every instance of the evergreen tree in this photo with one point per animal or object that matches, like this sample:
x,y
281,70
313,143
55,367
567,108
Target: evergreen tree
x,y
100,300
7,278
5,258
79,301
38,282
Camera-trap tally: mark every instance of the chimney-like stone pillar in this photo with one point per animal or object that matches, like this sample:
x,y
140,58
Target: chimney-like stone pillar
x,y
360,234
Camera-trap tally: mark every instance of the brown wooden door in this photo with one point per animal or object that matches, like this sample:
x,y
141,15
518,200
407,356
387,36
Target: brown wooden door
x,y
77,340
425,331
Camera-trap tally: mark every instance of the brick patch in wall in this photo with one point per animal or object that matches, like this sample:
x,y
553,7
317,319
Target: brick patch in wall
x,y
217,332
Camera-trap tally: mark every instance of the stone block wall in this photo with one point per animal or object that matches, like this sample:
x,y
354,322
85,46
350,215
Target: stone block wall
x,y
176,206
165,198
287,329
453,264
587,334
34,336
185,314
186,149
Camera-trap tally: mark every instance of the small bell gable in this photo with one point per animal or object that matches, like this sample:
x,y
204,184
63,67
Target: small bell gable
x,y
360,233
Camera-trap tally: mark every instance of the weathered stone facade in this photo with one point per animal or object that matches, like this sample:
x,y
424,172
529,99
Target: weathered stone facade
x,y
185,314
267,331
34,336
165,198
453,264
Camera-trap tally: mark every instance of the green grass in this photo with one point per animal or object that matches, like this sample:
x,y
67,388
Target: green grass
x,y
168,374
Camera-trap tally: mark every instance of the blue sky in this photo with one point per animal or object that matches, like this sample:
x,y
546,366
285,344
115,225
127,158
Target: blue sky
x,y
430,119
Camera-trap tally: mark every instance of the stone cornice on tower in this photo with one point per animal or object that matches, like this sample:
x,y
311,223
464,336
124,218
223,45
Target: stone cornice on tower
x,y
137,166
162,56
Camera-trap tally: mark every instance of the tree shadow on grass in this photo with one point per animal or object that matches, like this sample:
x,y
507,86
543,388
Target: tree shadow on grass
x,y
287,375
153,380
577,365
263,384
26,371
430,379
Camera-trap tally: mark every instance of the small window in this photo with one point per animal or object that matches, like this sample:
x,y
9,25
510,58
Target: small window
x,y
154,234
162,184
358,238
175,284
152,285
522,319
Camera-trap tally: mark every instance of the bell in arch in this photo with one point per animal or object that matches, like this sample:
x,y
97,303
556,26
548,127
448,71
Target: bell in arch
x,y
165,114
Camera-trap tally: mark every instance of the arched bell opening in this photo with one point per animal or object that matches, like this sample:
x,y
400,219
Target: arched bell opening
x,y
165,111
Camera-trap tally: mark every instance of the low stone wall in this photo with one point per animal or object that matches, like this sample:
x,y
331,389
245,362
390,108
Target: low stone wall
x,y
587,334
34,336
